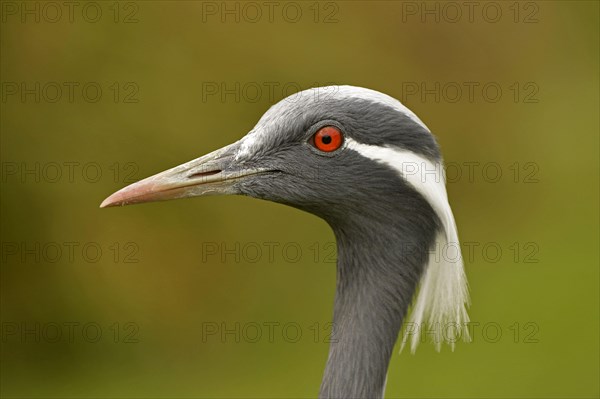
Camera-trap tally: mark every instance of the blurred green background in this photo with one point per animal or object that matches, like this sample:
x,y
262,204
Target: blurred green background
x,y
179,79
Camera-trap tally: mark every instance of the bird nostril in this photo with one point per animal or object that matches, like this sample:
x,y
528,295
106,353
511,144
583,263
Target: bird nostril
x,y
202,174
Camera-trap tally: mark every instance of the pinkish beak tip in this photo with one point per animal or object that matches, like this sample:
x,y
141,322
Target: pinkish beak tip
x,y
108,202
123,196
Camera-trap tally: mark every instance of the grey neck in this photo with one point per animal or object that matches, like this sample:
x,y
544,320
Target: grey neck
x,y
379,266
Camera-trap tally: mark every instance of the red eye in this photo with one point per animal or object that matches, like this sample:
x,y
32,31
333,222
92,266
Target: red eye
x,y
328,139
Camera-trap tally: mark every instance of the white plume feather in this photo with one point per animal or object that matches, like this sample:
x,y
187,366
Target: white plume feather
x,y
441,303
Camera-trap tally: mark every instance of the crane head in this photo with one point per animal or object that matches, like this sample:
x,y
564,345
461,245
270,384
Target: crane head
x,y
345,154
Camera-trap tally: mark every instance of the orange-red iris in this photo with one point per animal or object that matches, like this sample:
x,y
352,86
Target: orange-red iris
x,y
328,139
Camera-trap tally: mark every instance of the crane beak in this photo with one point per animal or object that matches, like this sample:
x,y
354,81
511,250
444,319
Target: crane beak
x,y
212,174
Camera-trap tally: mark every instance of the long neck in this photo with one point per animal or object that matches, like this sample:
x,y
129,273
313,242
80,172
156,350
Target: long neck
x,y
378,269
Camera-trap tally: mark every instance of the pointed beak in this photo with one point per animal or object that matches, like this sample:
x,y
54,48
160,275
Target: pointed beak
x,y
213,174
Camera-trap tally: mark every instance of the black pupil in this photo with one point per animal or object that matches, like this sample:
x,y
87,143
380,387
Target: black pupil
x,y
326,139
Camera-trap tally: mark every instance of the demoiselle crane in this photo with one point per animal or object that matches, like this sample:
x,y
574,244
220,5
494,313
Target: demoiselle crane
x,y
372,170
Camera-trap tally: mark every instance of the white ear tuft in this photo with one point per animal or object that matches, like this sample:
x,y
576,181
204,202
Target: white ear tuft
x,y
440,308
